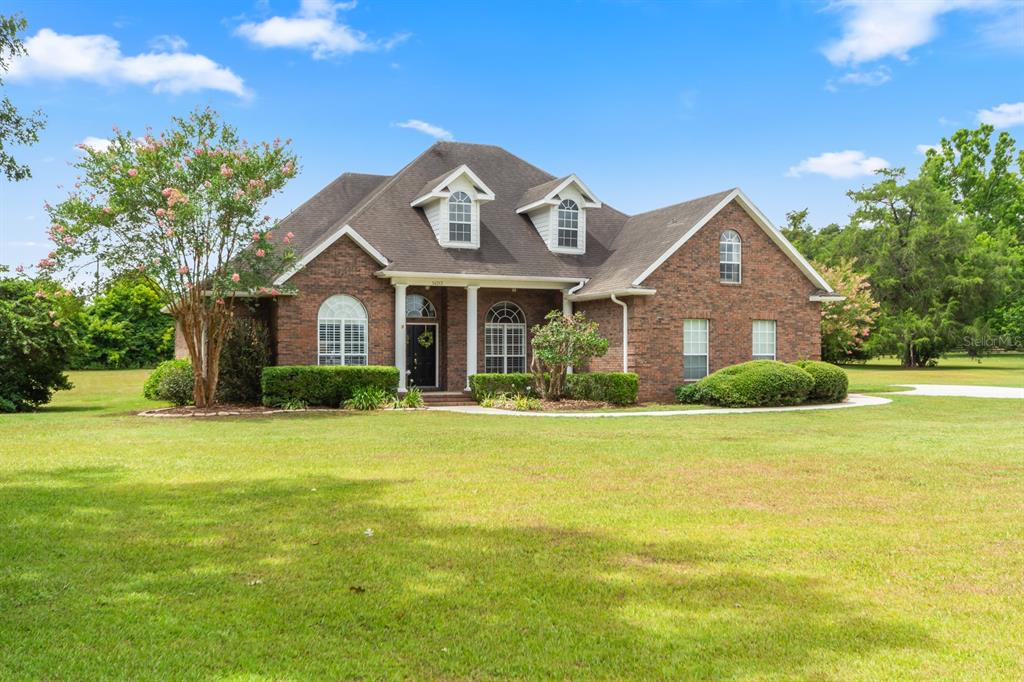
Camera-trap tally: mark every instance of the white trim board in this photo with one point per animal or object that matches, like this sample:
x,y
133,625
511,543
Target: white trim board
x,y
548,199
485,193
762,222
346,231
450,279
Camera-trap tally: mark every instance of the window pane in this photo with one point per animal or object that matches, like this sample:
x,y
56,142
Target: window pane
x,y
695,349
764,339
729,247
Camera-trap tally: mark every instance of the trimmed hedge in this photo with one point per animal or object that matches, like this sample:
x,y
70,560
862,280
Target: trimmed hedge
x,y
517,383
172,380
323,385
758,383
617,388
830,382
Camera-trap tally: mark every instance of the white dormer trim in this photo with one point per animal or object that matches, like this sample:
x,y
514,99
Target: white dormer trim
x,y
440,191
590,199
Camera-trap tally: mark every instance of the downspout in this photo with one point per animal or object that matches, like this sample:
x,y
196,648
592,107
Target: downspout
x,y
625,333
567,307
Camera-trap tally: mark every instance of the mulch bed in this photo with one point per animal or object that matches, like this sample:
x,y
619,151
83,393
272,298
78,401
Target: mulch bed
x,y
571,405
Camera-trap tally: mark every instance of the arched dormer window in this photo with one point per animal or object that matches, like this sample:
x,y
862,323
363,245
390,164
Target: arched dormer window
x,y
419,307
505,339
568,224
460,218
341,332
730,257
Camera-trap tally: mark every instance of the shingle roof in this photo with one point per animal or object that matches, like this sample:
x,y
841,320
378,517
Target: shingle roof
x,y
316,216
644,238
619,247
538,192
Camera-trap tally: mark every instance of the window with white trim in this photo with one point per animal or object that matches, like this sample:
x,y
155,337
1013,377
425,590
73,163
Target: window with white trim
x,y
505,339
568,224
418,306
695,349
341,332
460,218
764,339
729,257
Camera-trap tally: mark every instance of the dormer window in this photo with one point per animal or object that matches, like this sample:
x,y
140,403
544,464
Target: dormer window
x,y
460,218
558,211
568,224
451,204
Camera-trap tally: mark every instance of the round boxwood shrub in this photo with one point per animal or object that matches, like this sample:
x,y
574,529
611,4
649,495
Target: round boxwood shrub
x,y
830,382
758,383
172,380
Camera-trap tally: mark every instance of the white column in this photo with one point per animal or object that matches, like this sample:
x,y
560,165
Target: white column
x,y
400,334
471,325
567,311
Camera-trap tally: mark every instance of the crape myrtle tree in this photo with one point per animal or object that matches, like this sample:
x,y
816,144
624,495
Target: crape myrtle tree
x,y
183,209
562,342
846,325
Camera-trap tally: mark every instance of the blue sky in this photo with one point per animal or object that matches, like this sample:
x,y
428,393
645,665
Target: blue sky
x,y
649,103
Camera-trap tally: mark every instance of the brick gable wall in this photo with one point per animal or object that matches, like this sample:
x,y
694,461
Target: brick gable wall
x,y
773,288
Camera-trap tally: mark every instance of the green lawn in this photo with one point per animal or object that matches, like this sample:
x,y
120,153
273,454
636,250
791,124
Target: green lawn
x,y
885,374
869,543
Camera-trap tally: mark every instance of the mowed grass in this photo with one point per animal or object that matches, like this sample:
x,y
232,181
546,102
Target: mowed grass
x,y
869,543
885,374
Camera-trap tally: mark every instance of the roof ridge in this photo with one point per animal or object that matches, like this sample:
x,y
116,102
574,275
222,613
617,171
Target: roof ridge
x,y
683,203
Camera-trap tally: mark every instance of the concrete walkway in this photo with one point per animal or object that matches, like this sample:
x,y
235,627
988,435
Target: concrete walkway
x,y
962,391
853,400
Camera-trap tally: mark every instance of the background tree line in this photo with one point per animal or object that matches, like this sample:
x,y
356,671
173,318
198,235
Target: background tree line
x,y
941,254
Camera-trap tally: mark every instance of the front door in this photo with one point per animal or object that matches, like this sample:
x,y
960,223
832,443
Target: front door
x,y
421,354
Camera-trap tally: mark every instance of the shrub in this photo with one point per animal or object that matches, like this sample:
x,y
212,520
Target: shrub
x,y
368,398
617,388
413,398
561,342
520,403
246,351
519,383
830,382
758,383
172,380
324,385
35,343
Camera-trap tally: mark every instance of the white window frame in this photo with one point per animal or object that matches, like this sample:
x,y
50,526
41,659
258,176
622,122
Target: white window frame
x,y
761,331
692,330
568,211
419,307
513,322
730,252
343,313
455,203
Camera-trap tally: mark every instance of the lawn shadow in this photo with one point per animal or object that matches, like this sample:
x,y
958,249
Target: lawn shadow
x,y
323,577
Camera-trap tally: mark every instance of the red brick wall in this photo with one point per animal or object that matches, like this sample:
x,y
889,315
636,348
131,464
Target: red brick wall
x,y
455,335
343,268
608,316
773,288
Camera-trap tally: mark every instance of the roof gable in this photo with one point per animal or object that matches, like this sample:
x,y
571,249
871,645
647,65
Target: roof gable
x,y
438,187
547,192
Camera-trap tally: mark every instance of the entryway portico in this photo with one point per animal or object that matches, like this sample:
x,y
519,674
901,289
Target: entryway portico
x,y
465,338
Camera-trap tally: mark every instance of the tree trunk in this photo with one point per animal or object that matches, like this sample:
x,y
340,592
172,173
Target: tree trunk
x,y
203,328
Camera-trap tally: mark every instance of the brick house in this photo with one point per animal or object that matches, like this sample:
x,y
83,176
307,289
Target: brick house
x,y
391,268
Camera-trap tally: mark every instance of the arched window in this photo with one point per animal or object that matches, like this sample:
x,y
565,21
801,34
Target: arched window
x,y
505,339
419,307
568,224
460,217
729,248
341,338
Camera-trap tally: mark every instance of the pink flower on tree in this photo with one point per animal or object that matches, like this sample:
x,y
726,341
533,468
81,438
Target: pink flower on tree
x,y
260,253
20,269
40,294
288,237
161,212
235,277
132,172
183,270
106,209
226,171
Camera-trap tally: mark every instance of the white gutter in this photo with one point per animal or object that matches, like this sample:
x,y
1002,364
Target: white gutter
x,y
617,292
625,333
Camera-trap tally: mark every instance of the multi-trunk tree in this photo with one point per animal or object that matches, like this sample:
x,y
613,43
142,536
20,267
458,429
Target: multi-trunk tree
x,y
183,209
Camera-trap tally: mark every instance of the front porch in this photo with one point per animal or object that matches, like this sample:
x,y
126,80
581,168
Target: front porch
x,y
437,351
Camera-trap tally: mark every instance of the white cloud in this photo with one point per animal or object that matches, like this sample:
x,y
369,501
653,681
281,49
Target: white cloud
x,y
845,164
98,58
427,129
168,43
870,78
100,144
923,149
315,28
873,30
1004,115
